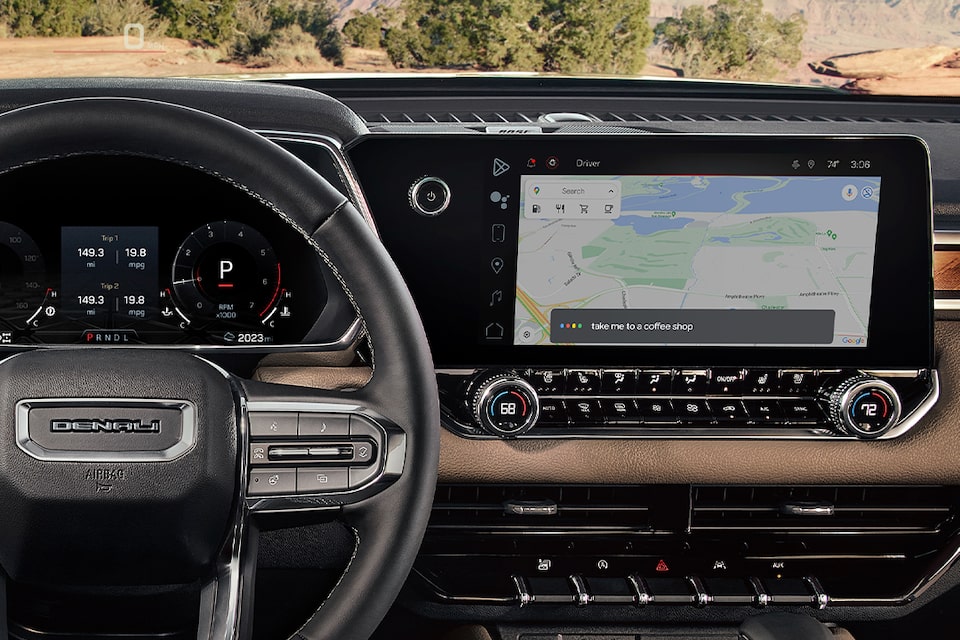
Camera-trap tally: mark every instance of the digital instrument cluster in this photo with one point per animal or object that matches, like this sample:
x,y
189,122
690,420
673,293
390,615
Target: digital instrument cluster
x,y
200,264
225,284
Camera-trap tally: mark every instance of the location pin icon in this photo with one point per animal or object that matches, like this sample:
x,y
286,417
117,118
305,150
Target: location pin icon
x,y
496,264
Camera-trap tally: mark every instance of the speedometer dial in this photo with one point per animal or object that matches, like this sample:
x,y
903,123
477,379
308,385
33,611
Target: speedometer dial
x,y
226,271
22,290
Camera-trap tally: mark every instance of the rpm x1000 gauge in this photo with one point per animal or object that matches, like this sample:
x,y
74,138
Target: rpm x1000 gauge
x,y
226,271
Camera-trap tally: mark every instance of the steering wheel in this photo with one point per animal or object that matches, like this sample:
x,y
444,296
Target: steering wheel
x,y
180,502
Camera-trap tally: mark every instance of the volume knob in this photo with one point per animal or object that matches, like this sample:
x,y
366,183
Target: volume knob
x,y
865,407
503,404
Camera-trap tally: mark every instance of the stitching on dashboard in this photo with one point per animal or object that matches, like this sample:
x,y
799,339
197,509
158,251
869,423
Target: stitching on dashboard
x,y
353,556
242,187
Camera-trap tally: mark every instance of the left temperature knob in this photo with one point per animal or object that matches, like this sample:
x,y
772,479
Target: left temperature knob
x,y
503,404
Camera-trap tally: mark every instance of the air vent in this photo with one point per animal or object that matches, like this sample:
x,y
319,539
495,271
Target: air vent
x,y
536,508
625,117
878,510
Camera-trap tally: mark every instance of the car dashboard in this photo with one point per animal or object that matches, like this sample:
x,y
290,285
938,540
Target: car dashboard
x,y
637,436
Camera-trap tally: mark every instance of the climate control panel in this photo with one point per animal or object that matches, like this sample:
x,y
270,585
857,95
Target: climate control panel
x,y
688,402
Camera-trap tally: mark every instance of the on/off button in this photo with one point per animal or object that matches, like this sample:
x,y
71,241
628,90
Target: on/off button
x,y
429,196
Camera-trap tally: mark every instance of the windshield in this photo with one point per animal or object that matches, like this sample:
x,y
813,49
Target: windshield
x,y
898,47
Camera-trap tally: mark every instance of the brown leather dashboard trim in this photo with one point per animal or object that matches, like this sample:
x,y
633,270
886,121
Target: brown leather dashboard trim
x,y
927,454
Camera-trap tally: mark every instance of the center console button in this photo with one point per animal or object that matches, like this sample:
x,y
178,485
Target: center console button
x,y
550,590
670,590
694,412
547,381
690,383
619,411
764,411
801,411
798,382
729,590
583,382
620,382
609,590
760,382
654,383
788,591
727,382
552,413
585,412
728,410
656,411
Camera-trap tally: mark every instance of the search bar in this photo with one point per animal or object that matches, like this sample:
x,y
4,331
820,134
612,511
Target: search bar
x,y
570,197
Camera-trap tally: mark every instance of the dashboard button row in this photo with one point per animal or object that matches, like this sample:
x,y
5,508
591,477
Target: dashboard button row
x,y
689,411
690,590
269,481
717,381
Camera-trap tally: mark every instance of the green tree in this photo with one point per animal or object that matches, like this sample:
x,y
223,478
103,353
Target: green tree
x,y
731,39
268,32
572,36
595,36
486,34
363,30
46,17
211,23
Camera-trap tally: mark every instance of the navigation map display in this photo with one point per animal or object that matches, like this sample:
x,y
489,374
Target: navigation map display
x,y
691,260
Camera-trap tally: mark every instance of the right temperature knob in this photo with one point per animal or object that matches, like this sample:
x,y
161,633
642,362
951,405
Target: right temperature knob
x,y
865,407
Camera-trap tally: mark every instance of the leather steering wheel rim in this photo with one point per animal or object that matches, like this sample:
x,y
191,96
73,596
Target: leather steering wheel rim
x,y
389,525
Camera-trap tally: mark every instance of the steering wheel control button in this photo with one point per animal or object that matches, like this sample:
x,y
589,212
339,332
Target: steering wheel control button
x,y
272,481
362,452
429,196
324,424
504,404
865,407
322,479
266,425
360,476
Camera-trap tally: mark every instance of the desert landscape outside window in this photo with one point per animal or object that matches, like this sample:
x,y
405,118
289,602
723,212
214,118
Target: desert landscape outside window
x,y
894,47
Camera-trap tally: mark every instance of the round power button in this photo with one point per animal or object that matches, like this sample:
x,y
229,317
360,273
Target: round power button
x,y
429,196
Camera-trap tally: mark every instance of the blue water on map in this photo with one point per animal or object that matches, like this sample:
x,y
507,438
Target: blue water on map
x,y
644,226
800,194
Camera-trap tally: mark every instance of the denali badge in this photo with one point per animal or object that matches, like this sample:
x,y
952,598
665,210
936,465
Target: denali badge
x,y
106,430
109,426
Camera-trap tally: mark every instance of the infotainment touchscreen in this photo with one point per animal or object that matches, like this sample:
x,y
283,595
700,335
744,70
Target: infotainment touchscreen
x,y
683,250
775,260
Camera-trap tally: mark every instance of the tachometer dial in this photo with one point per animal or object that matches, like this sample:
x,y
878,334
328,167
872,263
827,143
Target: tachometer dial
x,y
22,271
226,271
